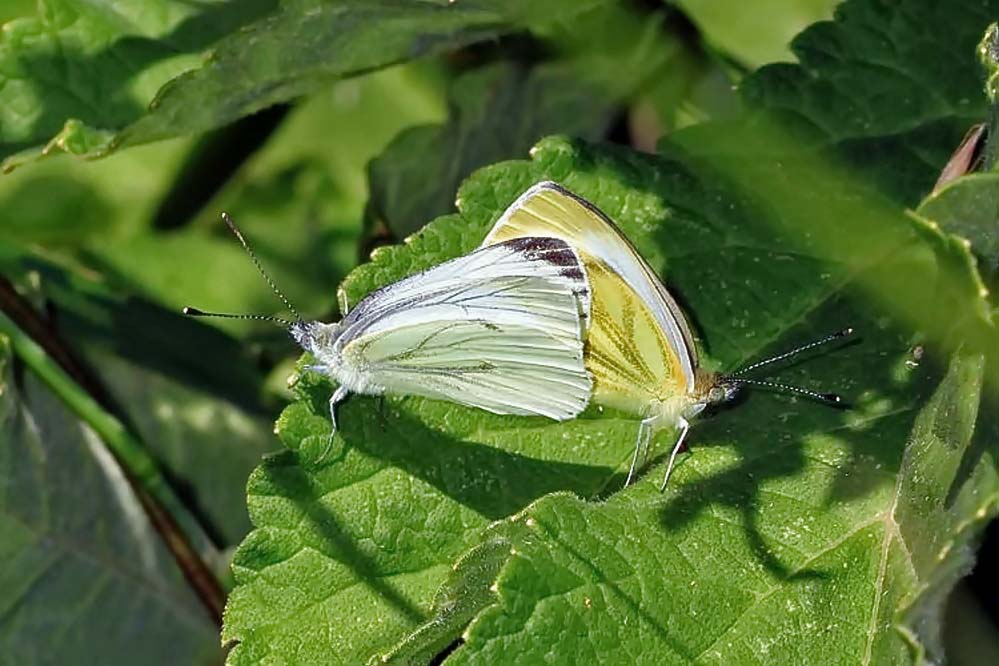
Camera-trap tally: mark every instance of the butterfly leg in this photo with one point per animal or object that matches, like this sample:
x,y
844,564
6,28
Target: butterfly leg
x,y
684,427
645,430
382,413
339,395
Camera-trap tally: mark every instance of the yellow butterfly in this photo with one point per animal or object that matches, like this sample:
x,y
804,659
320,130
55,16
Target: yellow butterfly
x,y
639,348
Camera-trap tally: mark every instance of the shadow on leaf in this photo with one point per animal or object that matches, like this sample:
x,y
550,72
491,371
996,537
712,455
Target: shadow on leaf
x,y
489,480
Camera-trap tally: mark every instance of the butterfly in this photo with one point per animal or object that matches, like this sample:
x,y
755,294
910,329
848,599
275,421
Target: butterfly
x,y
499,329
639,347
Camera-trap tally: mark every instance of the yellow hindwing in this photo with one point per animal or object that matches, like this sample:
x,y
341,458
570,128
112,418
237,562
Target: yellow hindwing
x,y
627,352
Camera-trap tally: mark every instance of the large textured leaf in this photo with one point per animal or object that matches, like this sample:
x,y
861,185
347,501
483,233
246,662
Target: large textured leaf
x,y
79,559
784,504
99,78
331,543
843,563
450,471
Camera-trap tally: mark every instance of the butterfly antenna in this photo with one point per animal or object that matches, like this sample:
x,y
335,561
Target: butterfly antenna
x,y
195,312
256,262
828,398
842,333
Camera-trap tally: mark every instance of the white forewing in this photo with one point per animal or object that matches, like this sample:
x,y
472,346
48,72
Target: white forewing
x,y
499,329
548,209
467,281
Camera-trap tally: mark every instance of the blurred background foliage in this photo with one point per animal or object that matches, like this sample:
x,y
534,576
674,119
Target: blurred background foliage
x,y
321,154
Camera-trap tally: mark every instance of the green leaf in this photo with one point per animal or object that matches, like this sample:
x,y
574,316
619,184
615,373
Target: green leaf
x,y
497,112
465,592
373,536
79,558
80,71
755,33
191,394
608,52
969,207
734,565
880,87
299,200
255,69
92,71
15,9
809,204
108,201
988,55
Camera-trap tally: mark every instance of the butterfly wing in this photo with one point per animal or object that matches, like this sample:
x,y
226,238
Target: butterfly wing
x,y
463,282
499,329
639,345
627,352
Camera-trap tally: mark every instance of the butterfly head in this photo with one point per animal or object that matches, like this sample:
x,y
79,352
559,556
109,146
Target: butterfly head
x,y
721,390
712,389
315,336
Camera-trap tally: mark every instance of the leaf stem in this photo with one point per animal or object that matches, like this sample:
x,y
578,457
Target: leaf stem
x,y
168,514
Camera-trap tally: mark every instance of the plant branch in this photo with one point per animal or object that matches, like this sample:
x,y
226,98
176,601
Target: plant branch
x,y
56,365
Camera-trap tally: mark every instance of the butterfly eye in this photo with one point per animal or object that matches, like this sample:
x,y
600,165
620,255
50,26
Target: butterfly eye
x,y
716,394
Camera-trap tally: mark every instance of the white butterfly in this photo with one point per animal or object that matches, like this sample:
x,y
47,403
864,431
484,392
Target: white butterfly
x,y
499,329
